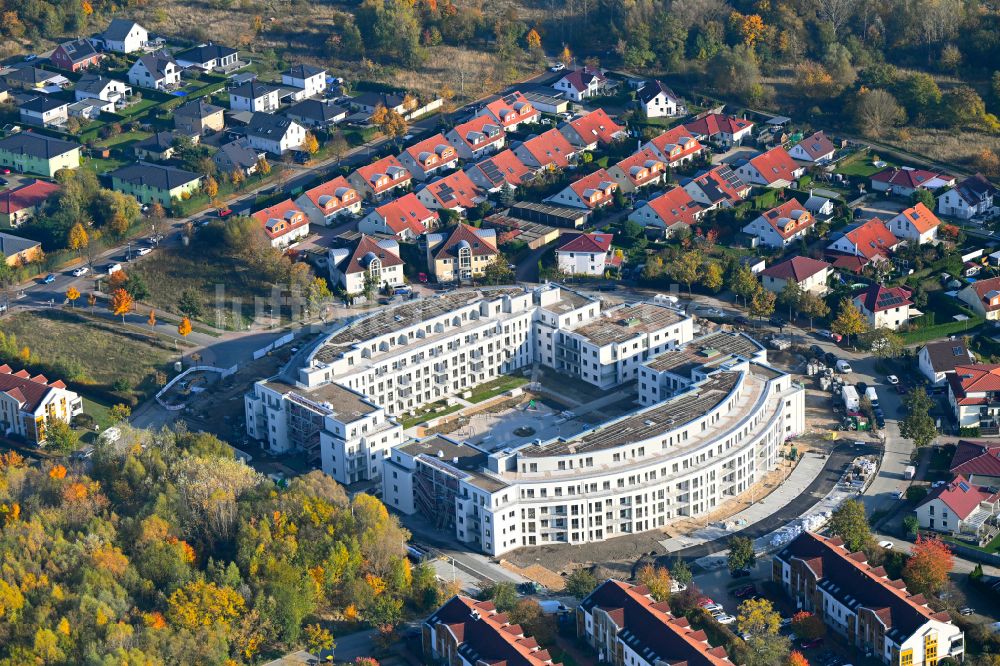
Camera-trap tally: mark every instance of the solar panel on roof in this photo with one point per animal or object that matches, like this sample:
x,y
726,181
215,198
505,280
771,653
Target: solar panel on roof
x,y
957,351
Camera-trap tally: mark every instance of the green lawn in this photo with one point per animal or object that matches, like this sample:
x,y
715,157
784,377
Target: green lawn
x,y
940,330
860,166
431,411
101,165
125,138
993,547
496,387
100,411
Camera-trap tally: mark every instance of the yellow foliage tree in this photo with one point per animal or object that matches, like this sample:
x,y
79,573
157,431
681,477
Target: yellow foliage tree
x,y
657,580
533,39
152,318
11,601
118,224
72,294
310,144
78,239
111,559
237,177
57,472
211,187
121,303
184,328
375,583
202,604
566,56
263,166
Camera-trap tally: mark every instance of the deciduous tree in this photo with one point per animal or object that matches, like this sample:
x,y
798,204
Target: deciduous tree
x,y
656,579
796,658
850,523
78,239
71,295
762,303
580,583
849,320
813,306
210,187
120,413
927,569
808,626
918,424
876,111
184,328
121,303
741,553
151,321
310,143
686,267
711,276
760,622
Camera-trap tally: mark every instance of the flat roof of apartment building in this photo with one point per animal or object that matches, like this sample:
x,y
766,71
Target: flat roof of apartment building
x,y
709,349
455,456
338,401
626,322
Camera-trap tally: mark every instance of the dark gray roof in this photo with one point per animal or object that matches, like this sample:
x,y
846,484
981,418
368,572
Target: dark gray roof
x,y
36,145
118,29
267,126
974,188
43,103
252,90
29,74
11,245
159,142
157,63
304,71
317,110
239,153
154,175
93,83
79,49
653,88
197,109
373,99
204,53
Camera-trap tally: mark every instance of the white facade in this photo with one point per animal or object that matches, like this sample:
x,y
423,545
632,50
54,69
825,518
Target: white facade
x,y
140,75
20,418
134,39
261,98
311,83
660,106
278,143
581,263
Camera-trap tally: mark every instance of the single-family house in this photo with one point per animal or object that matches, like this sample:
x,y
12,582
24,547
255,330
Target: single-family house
x,y
886,307
974,394
159,146
656,100
32,79
719,187
905,181
498,171
44,111
961,509
462,253
548,150
456,192
275,134
19,204
208,57
330,201
586,254
782,225
917,224
815,149
28,152
511,111
199,117
719,129
775,168
18,251
28,404
431,156
156,70
377,179
283,223
310,80
675,146
667,212
405,218
936,359
122,36
366,262
819,206
477,138
367,102
593,129
979,462
154,183
90,109
254,96
973,196
238,154
582,83
862,244
983,296
809,274
75,55
316,113
593,191
641,169
95,86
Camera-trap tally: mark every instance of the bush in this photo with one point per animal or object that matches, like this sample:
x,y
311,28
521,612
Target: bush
x,y
916,494
968,431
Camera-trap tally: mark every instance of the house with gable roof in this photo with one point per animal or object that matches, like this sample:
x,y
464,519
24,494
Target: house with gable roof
x,y
669,211
675,146
208,57
122,36
907,180
886,307
254,96
158,71
917,224
498,171
979,462
586,254
477,138
381,177
405,218
809,274
641,169
782,225
816,149
157,183
431,156
775,168
199,117
275,134
19,204
549,149
27,403
283,223
95,86
593,129
719,187
366,259
973,196
657,100
238,154
719,129
330,201
936,359
961,509
974,394
582,83
983,296
75,55
592,191
463,253
18,251
310,80
862,244
456,192
511,111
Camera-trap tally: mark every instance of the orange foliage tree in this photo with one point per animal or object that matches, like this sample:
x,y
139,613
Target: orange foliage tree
x,y
808,625
121,303
796,658
184,328
117,280
928,566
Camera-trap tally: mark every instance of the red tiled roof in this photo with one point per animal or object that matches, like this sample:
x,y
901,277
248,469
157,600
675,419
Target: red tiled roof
x,y
789,218
360,259
455,190
478,245
642,167
878,298
28,391
922,219
597,125
847,262
588,243
387,166
988,290
872,239
797,269
676,143
976,459
817,145
674,206
281,218
332,195
480,131
961,496
550,147
909,178
974,378
511,109
776,164
404,213
581,78
596,188
26,196
504,167
432,151
715,123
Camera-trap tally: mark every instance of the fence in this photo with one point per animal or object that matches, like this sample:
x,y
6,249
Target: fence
x,y
283,340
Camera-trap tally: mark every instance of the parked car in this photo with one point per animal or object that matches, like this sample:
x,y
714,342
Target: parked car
x,y
967,611
777,321
809,645
558,67
844,367
740,573
742,321
676,587
705,601
81,271
143,251
725,619
880,420
713,608
816,351
225,212
745,591
888,545
422,278
785,622
830,358
892,379
49,279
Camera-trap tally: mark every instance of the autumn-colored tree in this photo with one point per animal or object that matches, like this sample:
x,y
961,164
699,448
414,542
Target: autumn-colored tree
x,y
120,412
988,162
71,295
751,27
210,187
796,658
808,626
318,639
389,121
117,280
566,56
657,580
237,178
57,472
310,143
263,166
120,303
151,321
202,604
78,239
118,224
533,40
849,320
184,328
927,569
91,301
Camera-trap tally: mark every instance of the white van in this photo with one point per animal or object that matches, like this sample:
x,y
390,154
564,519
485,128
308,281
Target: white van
x,y
113,268
667,299
871,395
843,366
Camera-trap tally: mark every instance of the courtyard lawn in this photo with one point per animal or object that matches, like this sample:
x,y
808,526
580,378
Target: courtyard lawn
x,y
431,411
100,165
123,139
860,164
497,386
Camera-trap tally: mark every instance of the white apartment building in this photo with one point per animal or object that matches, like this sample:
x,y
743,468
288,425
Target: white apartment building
x,y
683,455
